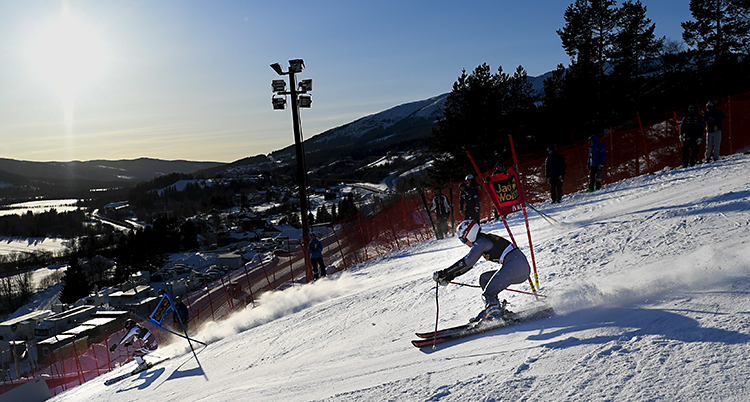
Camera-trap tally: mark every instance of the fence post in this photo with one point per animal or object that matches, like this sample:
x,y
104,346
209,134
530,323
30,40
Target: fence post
x,y
226,292
343,258
393,230
96,361
270,287
645,147
210,302
406,223
289,255
362,231
249,285
729,124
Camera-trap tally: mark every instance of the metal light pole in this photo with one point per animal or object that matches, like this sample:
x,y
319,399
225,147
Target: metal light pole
x,y
296,66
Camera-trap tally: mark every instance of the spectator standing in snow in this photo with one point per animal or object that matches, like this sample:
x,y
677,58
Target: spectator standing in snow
x,y
597,155
315,248
691,131
181,313
137,332
713,118
514,268
442,211
468,203
554,170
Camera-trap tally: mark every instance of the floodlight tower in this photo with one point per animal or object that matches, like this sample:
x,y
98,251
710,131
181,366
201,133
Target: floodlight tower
x,y
300,99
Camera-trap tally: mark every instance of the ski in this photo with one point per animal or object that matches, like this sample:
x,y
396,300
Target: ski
x,y
463,331
444,331
132,373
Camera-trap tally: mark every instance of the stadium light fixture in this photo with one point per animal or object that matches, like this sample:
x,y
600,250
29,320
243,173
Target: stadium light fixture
x,y
300,99
296,66
278,85
305,85
277,67
305,101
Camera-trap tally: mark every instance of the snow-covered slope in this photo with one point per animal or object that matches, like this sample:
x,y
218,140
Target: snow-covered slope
x,y
649,278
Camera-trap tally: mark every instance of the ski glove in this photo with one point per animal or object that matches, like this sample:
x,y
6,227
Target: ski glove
x,y
127,344
442,277
113,347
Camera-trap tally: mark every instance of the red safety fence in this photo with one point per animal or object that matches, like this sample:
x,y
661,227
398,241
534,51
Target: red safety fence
x,y
645,144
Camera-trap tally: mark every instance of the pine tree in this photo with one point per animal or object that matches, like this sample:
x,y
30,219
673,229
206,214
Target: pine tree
x,y
323,216
635,46
588,37
719,29
76,284
480,112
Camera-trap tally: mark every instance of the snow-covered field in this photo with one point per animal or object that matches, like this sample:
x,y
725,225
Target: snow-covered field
x,y
20,245
650,280
38,207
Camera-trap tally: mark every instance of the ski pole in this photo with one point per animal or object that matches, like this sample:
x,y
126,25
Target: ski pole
x,y
509,290
170,331
543,215
437,314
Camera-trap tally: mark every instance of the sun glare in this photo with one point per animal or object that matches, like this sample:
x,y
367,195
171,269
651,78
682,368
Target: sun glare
x,y
66,54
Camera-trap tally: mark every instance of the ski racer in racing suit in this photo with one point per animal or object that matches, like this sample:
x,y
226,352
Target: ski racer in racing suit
x,y
149,342
514,267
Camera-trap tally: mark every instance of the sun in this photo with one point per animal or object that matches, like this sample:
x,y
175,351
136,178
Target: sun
x,y
66,53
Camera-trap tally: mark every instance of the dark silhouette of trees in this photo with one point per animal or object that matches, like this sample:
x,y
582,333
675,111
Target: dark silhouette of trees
x,y
75,285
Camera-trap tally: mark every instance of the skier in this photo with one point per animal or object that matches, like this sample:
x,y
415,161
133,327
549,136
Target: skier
x,y
514,267
469,204
597,154
136,331
691,130
442,212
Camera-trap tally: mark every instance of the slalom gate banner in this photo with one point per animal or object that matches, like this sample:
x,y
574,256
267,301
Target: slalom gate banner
x,y
504,191
164,307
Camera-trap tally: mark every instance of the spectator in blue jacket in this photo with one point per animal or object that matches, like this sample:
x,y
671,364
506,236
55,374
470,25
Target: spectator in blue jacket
x,y
597,155
315,248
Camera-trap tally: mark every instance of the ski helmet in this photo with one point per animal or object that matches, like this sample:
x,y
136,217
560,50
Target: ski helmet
x,y
469,177
129,323
468,231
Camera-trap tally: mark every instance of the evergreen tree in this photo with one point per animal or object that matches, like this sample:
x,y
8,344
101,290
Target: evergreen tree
x,y
347,208
323,216
76,284
635,46
480,112
720,28
588,37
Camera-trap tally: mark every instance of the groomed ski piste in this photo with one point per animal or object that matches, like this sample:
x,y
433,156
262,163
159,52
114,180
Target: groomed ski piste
x,y
649,278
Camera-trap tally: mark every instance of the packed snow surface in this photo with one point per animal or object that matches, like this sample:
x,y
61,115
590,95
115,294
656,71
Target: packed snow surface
x,y
648,277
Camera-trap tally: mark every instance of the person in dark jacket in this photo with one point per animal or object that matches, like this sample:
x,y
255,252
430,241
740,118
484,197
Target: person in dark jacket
x,y
315,248
514,268
469,204
713,118
181,314
597,155
691,131
554,170
442,209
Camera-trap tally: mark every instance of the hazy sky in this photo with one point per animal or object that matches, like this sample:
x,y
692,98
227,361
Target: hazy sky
x,y
179,79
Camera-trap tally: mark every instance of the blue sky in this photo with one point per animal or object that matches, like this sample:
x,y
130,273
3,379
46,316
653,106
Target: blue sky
x,y
169,79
